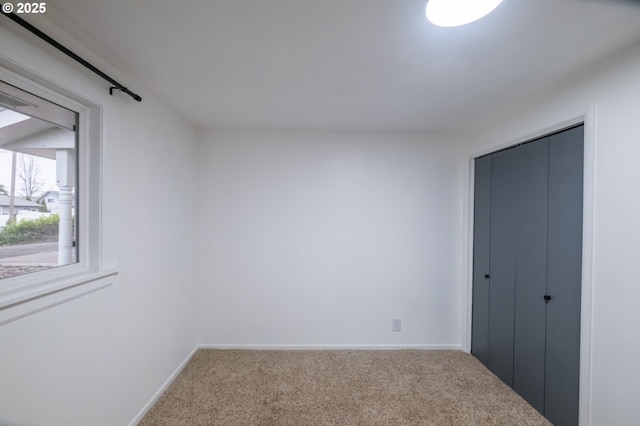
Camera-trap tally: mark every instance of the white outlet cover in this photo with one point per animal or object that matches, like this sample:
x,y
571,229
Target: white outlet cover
x,y
396,325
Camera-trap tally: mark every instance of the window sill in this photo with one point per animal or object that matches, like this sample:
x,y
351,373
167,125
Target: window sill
x,y
20,303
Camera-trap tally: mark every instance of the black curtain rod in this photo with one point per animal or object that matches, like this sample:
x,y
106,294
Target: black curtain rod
x,y
60,47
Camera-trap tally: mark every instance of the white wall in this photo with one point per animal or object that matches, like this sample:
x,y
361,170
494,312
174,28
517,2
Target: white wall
x,y
612,90
98,360
320,239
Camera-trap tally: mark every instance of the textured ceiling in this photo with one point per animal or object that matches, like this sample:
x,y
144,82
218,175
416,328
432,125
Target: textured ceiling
x,y
344,64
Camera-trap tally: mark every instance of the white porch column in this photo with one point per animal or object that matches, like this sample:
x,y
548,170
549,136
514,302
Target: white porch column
x,y
12,196
65,171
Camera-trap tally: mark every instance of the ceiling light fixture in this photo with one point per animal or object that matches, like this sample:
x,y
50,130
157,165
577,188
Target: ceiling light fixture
x,y
453,13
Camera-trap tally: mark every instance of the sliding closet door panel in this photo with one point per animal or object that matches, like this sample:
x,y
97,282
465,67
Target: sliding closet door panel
x,y
564,276
481,247
505,167
530,215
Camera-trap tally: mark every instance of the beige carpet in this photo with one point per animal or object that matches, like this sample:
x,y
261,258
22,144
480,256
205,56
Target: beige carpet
x,y
407,387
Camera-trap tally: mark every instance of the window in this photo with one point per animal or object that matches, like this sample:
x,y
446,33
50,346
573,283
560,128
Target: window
x,y
38,154
50,145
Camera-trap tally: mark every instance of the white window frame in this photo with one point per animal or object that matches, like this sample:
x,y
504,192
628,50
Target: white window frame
x,y
26,294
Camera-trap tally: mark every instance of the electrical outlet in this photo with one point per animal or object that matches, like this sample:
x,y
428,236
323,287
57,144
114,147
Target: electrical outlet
x,y
396,325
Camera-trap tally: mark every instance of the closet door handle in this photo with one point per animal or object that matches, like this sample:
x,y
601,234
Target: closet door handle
x,y
547,298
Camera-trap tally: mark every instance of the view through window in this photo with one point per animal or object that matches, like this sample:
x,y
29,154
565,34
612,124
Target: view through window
x,y
38,168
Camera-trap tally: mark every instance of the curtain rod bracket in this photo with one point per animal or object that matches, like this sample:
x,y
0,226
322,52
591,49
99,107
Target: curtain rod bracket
x,y
112,88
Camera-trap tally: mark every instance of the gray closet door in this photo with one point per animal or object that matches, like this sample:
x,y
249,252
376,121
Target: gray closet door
x,y
505,188
481,246
529,213
527,270
564,276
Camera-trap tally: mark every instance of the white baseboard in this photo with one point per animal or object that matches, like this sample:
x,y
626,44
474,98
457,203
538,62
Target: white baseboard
x,y
327,347
163,388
